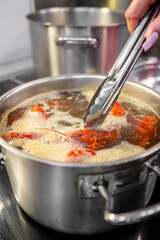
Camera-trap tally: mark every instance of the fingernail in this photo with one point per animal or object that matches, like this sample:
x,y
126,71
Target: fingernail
x,y
150,41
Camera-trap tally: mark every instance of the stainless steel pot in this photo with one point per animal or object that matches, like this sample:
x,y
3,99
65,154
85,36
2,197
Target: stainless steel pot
x,y
147,72
76,40
72,197
112,4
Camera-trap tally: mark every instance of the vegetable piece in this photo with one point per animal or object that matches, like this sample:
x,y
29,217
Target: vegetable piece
x,y
146,126
37,108
147,130
118,110
78,156
12,135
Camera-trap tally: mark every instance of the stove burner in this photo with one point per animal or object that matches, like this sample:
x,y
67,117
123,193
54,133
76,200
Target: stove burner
x,y
7,85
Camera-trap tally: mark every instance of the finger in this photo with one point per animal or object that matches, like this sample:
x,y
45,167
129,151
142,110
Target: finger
x,y
135,11
154,27
150,41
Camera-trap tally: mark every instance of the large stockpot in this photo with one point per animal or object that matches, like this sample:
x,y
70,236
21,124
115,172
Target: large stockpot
x,y
147,72
112,4
76,40
72,197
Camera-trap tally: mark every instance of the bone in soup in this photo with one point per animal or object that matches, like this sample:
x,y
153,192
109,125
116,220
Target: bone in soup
x,y
50,125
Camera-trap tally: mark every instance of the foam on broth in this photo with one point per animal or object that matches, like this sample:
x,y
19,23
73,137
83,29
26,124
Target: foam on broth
x,y
68,119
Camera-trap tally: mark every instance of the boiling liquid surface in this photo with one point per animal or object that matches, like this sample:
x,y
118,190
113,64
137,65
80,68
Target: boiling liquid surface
x,y
62,118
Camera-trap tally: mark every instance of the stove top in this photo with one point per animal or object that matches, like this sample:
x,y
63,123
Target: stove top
x,y
15,224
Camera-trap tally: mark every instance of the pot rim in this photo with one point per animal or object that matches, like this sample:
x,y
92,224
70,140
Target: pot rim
x,y
136,159
31,16
151,62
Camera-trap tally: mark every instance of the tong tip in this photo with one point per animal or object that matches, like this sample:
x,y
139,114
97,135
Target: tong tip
x,y
93,119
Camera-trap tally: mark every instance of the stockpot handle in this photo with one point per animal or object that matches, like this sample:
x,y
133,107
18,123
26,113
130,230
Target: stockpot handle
x,y
88,41
129,217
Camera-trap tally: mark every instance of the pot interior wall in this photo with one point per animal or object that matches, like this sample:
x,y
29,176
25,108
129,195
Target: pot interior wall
x,y
30,89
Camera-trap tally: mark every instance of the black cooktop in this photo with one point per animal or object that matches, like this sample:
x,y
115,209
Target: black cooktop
x,y
15,224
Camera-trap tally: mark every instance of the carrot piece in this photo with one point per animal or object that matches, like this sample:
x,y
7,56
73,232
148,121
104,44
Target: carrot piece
x,y
151,119
37,108
12,135
75,153
118,110
144,142
147,126
78,156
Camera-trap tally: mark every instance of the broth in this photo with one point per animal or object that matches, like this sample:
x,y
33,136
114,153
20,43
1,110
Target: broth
x,y
50,125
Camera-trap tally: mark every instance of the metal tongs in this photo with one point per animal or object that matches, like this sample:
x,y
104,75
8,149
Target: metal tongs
x,y
109,90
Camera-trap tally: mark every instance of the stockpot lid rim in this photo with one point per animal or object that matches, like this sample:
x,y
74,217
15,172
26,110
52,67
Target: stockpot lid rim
x,y
31,17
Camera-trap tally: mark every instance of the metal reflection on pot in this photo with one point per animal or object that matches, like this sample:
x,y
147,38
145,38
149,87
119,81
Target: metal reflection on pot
x,y
76,40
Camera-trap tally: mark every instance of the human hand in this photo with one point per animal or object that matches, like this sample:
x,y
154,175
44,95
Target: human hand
x,y
134,13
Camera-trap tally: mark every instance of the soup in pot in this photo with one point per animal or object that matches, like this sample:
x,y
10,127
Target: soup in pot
x,y
50,125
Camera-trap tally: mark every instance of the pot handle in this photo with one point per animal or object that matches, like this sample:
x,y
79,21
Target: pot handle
x,y
130,217
88,41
